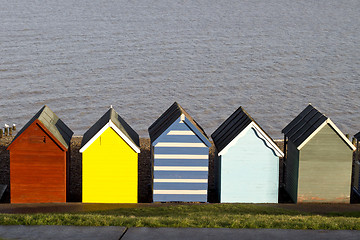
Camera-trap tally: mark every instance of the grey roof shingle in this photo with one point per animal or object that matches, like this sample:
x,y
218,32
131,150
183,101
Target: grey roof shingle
x,y
232,127
167,118
53,124
120,123
302,126
357,136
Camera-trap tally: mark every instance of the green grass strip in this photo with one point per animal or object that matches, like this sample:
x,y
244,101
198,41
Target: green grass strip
x,y
196,216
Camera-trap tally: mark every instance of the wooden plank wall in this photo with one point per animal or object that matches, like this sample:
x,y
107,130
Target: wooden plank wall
x,y
249,171
325,169
110,171
181,162
37,168
292,171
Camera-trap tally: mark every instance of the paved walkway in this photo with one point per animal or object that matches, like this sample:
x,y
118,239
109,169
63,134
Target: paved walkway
x,y
109,233
60,232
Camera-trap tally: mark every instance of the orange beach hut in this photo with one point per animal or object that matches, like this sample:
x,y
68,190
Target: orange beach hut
x,y
39,160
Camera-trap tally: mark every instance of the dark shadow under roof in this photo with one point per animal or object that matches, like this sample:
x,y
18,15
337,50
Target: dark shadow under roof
x,y
301,127
53,124
120,123
167,118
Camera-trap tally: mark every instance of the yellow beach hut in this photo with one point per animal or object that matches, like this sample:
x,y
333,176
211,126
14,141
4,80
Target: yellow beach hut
x,y
110,161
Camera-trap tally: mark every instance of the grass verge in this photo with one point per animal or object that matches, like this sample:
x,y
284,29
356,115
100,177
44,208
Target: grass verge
x,y
197,215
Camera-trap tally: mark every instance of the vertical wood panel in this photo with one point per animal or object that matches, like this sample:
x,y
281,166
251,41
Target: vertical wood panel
x,y
110,171
325,169
37,168
249,172
356,175
292,171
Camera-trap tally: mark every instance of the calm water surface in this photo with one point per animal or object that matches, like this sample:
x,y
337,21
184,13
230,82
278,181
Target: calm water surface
x,y
271,57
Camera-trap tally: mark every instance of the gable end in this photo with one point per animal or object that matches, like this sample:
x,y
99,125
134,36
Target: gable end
x,y
335,129
110,124
261,134
43,128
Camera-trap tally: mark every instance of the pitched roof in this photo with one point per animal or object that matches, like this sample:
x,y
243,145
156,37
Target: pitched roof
x,y
53,124
357,136
229,129
303,127
167,118
111,116
234,125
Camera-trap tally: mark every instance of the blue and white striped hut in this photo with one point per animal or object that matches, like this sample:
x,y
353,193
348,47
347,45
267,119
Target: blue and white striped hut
x,y
180,154
246,161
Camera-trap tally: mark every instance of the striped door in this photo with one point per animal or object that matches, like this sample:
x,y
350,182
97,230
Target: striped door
x,y
180,166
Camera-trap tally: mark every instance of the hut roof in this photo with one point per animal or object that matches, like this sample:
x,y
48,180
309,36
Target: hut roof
x,y
357,136
53,124
167,118
234,125
303,127
111,119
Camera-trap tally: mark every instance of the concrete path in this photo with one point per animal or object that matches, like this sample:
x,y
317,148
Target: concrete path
x,y
74,232
60,232
243,234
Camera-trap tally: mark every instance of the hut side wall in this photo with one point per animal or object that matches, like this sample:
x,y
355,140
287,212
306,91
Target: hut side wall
x,y
292,171
356,175
217,177
325,169
249,172
176,177
110,170
37,168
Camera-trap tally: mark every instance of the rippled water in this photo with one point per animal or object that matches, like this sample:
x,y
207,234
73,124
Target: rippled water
x,y
271,57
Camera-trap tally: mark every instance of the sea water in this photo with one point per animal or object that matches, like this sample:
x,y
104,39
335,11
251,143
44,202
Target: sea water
x,y
271,57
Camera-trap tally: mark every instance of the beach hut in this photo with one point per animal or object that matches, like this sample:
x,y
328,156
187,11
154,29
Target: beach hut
x,y
318,160
39,160
180,154
356,184
247,161
110,161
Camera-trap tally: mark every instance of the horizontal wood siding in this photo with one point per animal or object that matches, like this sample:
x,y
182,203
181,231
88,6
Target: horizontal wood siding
x,y
292,171
37,168
179,186
325,169
249,171
181,162
180,174
175,165
204,151
110,170
179,197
